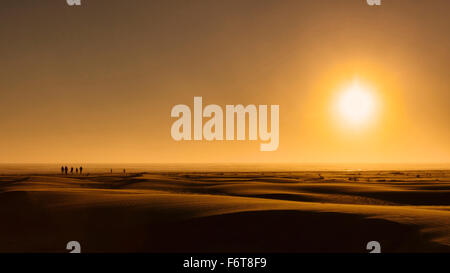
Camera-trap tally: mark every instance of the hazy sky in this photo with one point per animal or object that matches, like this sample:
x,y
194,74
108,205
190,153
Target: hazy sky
x,y
96,83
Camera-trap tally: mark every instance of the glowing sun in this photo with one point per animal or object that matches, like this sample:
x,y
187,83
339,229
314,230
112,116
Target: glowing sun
x,y
356,104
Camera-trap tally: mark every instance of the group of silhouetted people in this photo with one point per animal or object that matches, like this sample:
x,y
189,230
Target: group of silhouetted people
x,y
65,170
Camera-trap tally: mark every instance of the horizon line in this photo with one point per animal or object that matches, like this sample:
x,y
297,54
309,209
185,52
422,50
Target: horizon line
x,y
232,163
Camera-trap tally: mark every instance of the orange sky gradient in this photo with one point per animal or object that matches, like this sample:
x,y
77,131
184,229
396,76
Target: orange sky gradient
x,y
96,83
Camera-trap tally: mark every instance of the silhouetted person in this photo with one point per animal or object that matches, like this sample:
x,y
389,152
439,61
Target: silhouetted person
x,y
76,171
62,169
124,172
81,170
71,170
66,169
111,170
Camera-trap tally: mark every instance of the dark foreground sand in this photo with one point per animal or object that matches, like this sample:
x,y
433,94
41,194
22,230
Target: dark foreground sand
x,y
227,212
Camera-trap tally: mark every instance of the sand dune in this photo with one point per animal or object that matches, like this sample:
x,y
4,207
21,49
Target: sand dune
x,y
223,212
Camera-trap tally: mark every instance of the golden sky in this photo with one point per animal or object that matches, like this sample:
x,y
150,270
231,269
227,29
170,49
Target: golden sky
x,y
96,83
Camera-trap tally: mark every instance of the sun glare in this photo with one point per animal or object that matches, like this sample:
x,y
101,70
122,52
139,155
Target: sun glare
x,y
356,104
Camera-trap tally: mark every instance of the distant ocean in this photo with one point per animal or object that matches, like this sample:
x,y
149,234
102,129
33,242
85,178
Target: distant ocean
x,y
14,168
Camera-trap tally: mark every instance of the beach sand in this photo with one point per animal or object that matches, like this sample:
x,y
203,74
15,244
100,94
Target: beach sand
x,y
338,211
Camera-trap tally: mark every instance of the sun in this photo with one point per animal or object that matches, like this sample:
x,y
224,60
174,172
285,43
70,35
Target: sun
x,y
356,104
